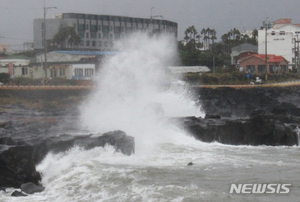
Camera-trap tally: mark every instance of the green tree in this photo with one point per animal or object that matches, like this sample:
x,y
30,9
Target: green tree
x,y
66,37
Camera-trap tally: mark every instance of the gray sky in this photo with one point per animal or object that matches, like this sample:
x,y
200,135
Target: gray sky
x,y
16,16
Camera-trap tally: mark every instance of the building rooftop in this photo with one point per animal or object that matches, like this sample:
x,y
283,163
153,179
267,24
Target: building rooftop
x,y
271,58
283,21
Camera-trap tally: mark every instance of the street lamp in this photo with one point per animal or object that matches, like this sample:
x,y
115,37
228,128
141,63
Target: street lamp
x,y
156,16
45,39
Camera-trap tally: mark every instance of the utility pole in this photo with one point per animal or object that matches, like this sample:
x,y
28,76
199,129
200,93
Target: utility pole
x,y
214,68
45,38
266,45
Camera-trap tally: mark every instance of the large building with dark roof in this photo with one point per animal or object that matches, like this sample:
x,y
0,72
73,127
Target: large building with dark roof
x,y
98,32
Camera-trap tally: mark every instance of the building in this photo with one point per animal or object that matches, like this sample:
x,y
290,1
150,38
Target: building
x,y
242,50
75,65
16,66
256,64
3,48
281,40
98,32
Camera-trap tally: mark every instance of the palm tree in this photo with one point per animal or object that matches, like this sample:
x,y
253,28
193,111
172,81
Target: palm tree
x,y
66,37
213,37
254,36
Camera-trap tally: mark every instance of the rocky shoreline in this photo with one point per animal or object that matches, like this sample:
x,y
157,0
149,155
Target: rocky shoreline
x,y
25,141
254,116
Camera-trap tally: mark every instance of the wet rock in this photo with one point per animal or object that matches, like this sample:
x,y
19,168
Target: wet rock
x,y
118,139
262,129
279,111
258,112
17,166
2,189
17,194
190,164
18,158
30,188
212,116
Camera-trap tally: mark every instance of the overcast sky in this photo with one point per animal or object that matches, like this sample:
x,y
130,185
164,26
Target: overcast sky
x,y
16,16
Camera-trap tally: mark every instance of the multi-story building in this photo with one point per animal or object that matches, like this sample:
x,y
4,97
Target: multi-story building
x,y
281,40
98,32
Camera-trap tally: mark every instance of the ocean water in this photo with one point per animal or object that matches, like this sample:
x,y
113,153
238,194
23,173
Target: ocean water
x,y
130,97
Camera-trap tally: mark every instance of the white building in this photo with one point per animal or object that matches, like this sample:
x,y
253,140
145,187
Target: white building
x,y
280,39
98,32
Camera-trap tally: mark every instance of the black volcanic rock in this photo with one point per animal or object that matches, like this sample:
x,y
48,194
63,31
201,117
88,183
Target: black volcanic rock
x,y
31,188
17,194
242,102
18,158
261,129
17,166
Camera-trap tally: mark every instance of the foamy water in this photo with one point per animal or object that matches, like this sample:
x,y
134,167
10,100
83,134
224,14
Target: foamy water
x,y
130,97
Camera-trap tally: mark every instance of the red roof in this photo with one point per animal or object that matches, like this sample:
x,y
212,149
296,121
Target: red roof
x,y
271,58
297,25
283,21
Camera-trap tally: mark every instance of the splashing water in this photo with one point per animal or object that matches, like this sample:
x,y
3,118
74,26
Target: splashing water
x,y
130,95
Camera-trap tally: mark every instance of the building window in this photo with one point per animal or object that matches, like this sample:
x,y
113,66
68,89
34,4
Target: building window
x,y
273,33
100,43
89,72
99,27
87,35
282,32
261,69
81,34
105,35
24,71
62,71
93,43
94,28
273,68
99,35
81,27
43,34
250,69
105,29
74,25
93,35
81,42
87,27
53,73
78,72
87,43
